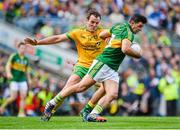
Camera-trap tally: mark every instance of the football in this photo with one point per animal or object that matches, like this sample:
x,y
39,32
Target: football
x,y
136,47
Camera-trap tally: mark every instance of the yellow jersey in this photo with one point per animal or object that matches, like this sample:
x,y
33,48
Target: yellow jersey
x,y
88,45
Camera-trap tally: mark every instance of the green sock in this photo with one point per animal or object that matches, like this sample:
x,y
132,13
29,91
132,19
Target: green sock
x,y
91,105
88,107
97,109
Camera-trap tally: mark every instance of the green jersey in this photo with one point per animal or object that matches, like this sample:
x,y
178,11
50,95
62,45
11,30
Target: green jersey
x,y
19,65
112,55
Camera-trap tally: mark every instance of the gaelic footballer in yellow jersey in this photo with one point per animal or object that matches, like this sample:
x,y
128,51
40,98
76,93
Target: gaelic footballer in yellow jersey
x,y
88,44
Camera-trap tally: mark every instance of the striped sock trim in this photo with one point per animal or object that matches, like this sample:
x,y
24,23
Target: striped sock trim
x,y
91,104
97,110
58,99
57,106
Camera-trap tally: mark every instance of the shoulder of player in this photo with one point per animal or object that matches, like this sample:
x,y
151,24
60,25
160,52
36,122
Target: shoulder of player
x,y
123,27
13,55
75,29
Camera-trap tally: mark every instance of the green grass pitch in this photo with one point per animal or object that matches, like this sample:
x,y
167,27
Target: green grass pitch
x,y
74,122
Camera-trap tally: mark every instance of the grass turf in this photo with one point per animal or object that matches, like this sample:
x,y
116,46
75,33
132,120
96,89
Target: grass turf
x,y
73,122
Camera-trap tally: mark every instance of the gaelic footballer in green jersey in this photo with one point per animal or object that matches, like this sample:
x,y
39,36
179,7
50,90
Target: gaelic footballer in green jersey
x,y
19,65
119,46
17,72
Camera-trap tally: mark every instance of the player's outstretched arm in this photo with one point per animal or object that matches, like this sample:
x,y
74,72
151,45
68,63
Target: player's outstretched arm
x,y
126,48
47,41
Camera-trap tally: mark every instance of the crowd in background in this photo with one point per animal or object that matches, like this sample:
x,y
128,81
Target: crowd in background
x,y
47,17
149,86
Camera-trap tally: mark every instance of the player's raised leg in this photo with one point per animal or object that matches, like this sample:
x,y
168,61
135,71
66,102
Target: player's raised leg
x,y
54,104
84,84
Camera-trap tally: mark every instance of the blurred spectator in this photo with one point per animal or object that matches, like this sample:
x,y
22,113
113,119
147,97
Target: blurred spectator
x,y
128,101
164,39
47,30
169,88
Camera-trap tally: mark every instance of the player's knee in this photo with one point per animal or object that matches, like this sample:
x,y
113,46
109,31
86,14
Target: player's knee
x,y
113,96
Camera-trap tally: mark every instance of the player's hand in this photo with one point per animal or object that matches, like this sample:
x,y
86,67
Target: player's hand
x,y
30,41
141,52
107,39
9,76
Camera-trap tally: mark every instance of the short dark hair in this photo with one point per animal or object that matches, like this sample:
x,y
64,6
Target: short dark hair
x,y
94,12
20,44
138,18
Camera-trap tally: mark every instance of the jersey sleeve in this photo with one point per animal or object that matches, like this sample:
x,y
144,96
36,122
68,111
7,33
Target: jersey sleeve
x,y
122,32
129,35
72,35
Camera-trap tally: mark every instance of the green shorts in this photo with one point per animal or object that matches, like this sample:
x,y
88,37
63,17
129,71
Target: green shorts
x,y
80,71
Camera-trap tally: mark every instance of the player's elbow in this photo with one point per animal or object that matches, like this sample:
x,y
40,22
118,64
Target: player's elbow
x,y
102,37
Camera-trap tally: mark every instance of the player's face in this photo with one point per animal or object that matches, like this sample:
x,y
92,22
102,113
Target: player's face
x,y
136,27
22,49
92,23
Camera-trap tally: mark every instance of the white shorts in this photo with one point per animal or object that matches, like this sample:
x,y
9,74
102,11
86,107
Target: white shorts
x,y
18,86
101,72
